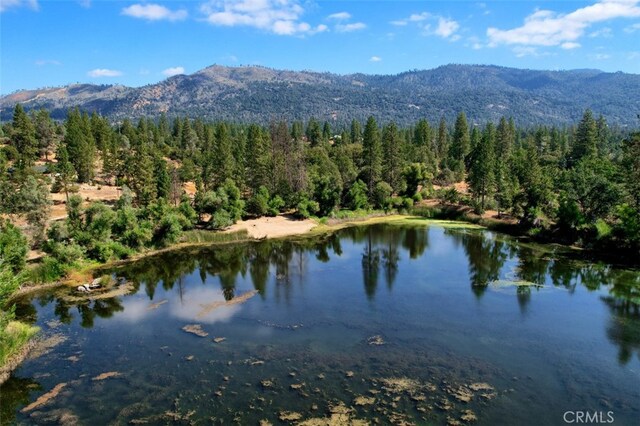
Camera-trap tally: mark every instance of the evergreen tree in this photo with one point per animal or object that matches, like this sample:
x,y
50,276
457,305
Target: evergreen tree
x,y
460,146
23,138
356,132
371,155
504,141
45,132
423,145
79,143
392,149
225,163
586,141
65,170
631,164
481,173
297,130
442,142
313,132
163,180
143,182
259,171
326,131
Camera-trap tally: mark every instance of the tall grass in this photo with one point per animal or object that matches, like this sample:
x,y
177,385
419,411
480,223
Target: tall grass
x,y
202,236
13,337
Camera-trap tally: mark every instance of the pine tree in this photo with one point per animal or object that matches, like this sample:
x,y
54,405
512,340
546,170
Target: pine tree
x,y
224,161
423,146
23,138
163,181
442,142
460,146
313,132
79,143
371,155
326,132
504,141
45,132
481,173
392,149
259,170
143,182
356,132
65,170
297,130
586,141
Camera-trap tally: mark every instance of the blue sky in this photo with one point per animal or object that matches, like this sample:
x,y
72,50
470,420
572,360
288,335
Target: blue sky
x,y
56,42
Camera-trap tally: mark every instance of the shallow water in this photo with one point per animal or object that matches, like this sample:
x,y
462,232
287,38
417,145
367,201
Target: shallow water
x,y
339,317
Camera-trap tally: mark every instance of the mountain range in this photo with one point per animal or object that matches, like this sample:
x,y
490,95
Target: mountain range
x,y
259,94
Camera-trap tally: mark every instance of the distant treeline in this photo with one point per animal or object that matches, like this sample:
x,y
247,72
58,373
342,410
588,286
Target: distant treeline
x,y
580,183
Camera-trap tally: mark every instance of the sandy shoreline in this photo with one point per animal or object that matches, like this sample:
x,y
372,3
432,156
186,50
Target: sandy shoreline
x,y
273,227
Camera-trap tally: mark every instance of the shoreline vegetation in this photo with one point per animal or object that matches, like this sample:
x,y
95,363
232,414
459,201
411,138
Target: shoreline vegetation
x,y
82,195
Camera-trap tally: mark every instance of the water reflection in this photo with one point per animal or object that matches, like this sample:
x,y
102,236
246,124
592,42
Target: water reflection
x,y
283,265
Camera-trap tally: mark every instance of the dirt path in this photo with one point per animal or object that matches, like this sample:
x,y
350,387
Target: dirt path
x,y
273,227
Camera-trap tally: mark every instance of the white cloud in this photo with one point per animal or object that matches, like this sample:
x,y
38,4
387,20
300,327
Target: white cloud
x,y
375,59
43,62
170,72
154,12
548,28
104,72
144,71
280,17
340,16
8,4
85,3
416,17
444,27
600,56
632,28
347,28
604,32
568,45
522,51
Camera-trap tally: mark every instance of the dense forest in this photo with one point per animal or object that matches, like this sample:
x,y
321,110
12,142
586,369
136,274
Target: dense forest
x,y
579,183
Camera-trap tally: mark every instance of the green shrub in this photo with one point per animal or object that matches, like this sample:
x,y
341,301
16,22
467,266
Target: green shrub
x,y
13,246
49,270
275,206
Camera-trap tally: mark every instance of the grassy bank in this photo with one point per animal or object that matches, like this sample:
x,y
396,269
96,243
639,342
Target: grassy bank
x,y
15,340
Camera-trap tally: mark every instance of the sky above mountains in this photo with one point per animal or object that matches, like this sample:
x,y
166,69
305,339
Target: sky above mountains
x,y
56,42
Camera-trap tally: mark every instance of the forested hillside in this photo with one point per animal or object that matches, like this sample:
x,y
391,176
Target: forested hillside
x,y
257,94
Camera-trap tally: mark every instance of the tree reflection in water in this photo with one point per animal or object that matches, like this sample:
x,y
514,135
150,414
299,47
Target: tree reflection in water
x,y
490,257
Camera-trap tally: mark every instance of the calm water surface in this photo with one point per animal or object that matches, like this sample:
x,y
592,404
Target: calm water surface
x,y
428,324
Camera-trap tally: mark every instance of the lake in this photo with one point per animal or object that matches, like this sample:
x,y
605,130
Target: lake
x,y
388,323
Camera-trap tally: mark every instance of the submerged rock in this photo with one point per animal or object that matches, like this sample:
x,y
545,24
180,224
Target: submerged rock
x,y
195,329
107,375
156,305
43,399
376,340
468,416
481,386
289,416
364,400
400,384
